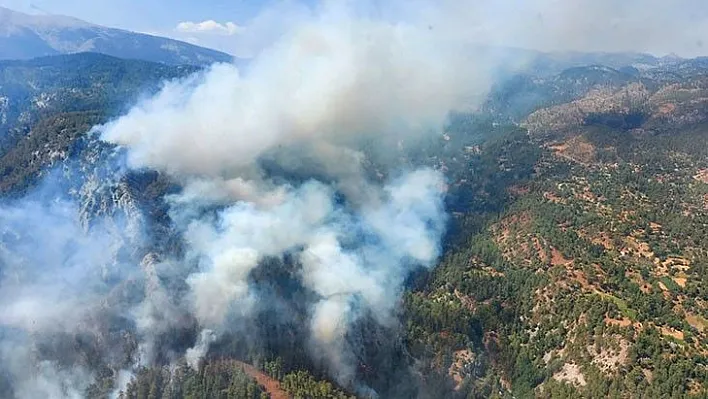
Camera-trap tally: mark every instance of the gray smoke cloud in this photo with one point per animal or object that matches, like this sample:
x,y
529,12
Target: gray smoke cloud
x,y
330,79
352,259
654,26
56,277
306,104
270,163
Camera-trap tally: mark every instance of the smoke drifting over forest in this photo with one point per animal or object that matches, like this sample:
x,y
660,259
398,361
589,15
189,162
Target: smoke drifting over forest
x,y
318,93
271,169
270,166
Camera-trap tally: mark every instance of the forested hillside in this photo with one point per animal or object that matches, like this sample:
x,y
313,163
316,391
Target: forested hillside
x,y
47,104
590,281
574,263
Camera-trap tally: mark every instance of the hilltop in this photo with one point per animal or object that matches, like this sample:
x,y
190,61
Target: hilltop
x,y
25,36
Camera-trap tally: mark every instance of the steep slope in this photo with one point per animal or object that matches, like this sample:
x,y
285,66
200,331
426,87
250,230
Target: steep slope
x,y
590,281
24,36
43,97
575,259
50,104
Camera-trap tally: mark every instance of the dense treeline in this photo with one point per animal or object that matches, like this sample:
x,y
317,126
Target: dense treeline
x,y
49,141
301,385
218,379
551,280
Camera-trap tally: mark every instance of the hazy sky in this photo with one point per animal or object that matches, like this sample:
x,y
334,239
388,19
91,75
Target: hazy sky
x,y
143,14
242,27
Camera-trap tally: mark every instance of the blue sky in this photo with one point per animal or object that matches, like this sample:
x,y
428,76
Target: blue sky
x,y
211,23
144,15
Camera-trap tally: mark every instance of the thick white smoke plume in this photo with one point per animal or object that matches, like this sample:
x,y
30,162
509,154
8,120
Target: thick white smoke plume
x,y
306,104
330,79
273,162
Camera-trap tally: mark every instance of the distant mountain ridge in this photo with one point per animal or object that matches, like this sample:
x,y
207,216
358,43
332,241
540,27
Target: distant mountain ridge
x,y
25,36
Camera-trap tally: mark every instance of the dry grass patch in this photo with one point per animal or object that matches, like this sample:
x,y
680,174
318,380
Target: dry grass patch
x,y
697,322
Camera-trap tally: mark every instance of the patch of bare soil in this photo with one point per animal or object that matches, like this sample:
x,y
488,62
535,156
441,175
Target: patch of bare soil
x,y
557,258
553,198
696,322
541,251
467,301
456,371
694,387
666,109
587,195
570,373
677,262
547,357
577,149
623,322
665,290
542,297
681,281
648,374
515,222
271,385
605,240
702,176
518,191
638,248
582,279
608,360
655,227
637,278
672,332
511,235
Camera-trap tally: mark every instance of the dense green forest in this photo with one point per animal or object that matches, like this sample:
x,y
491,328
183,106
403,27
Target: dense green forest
x,y
215,379
590,280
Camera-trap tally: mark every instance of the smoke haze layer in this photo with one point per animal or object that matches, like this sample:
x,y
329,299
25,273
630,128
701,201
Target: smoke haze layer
x,y
271,164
